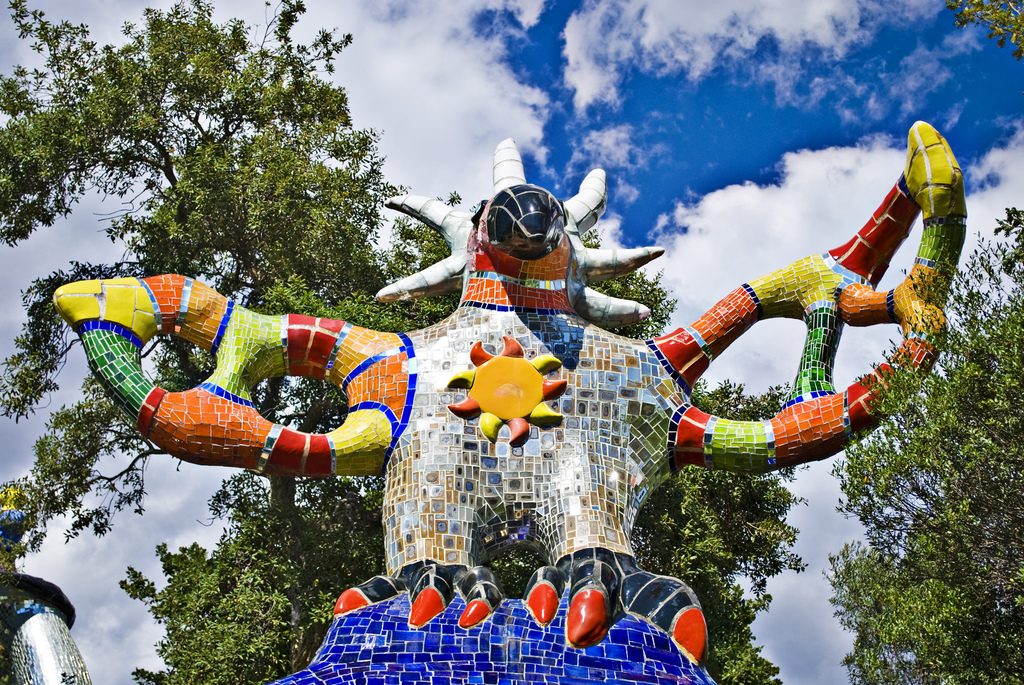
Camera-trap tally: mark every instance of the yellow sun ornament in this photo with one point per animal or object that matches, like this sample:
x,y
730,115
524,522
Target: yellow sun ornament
x,y
506,388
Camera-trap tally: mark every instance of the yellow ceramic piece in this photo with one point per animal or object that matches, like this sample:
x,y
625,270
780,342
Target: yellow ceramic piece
x,y
932,173
543,415
787,291
462,380
546,363
508,387
77,302
120,300
490,425
359,444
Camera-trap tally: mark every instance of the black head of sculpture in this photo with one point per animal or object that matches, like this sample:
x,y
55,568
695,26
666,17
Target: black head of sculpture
x,y
525,221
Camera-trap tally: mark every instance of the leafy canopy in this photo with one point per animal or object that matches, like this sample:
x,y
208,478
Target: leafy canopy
x,y
937,593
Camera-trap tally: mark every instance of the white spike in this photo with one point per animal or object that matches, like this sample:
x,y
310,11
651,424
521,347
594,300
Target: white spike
x,y
608,311
442,277
453,224
508,166
587,206
600,265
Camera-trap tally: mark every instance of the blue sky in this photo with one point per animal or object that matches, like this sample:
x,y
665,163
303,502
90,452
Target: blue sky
x,y
739,134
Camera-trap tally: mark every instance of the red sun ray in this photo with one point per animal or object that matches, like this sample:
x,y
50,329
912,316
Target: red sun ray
x,y
478,355
466,409
553,389
519,431
512,348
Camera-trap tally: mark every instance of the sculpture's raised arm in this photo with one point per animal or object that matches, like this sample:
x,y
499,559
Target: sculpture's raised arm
x,y
827,290
216,422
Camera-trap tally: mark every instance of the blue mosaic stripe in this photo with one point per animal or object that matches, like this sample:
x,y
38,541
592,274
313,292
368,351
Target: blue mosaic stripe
x,y
668,367
398,424
709,437
214,389
268,447
512,308
847,429
410,396
156,306
755,298
673,433
99,325
524,282
814,394
890,305
225,320
847,275
930,263
367,363
382,408
342,334
820,304
902,185
701,342
951,220
769,436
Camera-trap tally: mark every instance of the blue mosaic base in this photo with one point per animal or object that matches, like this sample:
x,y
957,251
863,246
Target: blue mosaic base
x,y
376,646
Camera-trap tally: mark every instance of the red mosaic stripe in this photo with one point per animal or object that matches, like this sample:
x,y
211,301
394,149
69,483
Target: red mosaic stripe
x,y
149,409
684,354
689,446
310,343
868,253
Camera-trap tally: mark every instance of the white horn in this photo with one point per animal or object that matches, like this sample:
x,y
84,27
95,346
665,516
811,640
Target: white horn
x,y
508,166
586,206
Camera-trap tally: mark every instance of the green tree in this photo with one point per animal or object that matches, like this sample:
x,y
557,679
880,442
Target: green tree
x,y
937,593
1004,20
240,166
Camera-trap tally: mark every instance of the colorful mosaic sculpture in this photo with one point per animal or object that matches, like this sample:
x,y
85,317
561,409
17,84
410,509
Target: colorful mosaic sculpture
x,y
519,419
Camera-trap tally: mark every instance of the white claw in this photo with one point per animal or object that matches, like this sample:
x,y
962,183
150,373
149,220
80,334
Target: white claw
x,y
609,312
443,277
453,224
600,265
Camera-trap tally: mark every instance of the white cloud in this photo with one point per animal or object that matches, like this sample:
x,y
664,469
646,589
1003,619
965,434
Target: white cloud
x,y
742,231
605,40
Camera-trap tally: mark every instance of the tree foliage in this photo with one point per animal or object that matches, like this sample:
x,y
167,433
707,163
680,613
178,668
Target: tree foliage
x,y
235,161
937,594
1003,20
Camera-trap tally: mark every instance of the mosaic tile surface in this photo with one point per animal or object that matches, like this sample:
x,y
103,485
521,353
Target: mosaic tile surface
x,y
520,420
377,647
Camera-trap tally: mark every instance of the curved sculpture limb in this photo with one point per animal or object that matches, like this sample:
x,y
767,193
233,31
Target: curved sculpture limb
x,y
826,291
216,422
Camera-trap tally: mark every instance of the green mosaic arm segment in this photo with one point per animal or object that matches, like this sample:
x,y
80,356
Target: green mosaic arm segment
x,y
216,422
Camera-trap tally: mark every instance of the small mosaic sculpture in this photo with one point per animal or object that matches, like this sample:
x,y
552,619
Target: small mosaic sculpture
x,y
35,618
519,419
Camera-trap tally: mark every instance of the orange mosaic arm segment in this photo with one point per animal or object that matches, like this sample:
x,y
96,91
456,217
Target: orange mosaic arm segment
x,y
827,291
216,422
